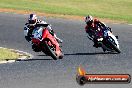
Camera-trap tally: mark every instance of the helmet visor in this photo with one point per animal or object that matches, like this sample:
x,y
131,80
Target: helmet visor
x,y
89,22
32,21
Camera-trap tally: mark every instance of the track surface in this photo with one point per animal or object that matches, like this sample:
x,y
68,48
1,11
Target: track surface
x,y
43,72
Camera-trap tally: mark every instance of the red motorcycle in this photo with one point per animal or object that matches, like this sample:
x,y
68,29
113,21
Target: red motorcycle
x,y
43,41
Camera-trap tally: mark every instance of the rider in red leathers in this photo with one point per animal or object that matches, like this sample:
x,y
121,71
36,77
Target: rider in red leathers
x,y
94,28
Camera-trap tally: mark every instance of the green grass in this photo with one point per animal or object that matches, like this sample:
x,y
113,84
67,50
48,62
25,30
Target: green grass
x,y
112,9
7,54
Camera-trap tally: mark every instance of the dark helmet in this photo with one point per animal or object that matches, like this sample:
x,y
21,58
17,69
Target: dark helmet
x,y
89,20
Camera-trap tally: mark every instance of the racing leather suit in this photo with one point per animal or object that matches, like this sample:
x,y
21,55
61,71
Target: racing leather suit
x,y
95,30
28,29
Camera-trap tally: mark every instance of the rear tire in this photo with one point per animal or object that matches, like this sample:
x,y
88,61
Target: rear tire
x,y
36,48
104,50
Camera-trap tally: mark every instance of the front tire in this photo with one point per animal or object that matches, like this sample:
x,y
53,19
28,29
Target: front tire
x,y
50,51
114,47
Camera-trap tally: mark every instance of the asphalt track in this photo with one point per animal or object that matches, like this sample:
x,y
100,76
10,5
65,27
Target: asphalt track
x,y
43,72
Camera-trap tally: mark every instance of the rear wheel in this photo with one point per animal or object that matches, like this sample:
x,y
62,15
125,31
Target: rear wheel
x,y
104,49
36,48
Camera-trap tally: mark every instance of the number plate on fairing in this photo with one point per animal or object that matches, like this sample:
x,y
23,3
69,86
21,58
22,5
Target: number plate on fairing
x,y
37,33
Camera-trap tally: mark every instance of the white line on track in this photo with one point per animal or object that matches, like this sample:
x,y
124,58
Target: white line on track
x,y
23,56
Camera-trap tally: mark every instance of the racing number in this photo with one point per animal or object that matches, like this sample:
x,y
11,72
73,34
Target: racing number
x,y
37,35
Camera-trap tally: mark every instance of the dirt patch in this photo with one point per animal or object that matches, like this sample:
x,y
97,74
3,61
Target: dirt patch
x,y
57,15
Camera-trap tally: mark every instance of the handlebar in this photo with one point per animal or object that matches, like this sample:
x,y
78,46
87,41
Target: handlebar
x,y
43,25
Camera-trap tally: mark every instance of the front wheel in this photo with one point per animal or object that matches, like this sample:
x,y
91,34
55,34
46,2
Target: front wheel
x,y
50,50
114,47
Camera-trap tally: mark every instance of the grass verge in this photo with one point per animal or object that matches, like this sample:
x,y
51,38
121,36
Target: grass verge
x,y
120,10
7,54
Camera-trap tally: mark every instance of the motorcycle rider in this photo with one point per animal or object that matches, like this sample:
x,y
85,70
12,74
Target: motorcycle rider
x,y
30,25
94,28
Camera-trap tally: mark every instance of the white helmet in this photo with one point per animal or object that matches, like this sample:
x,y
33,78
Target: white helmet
x,y
32,19
89,19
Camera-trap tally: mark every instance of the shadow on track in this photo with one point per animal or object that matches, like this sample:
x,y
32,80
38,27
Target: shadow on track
x,y
34,59
91,53
42,55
